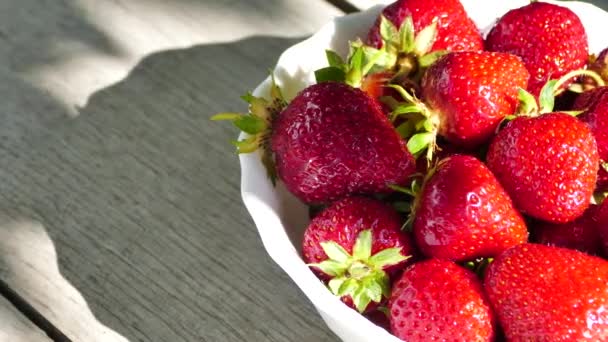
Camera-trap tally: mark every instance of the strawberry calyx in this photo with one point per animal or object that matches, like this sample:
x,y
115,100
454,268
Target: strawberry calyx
x,y
257,124
421,125
409,54
529,106
360,275
479,266
403,54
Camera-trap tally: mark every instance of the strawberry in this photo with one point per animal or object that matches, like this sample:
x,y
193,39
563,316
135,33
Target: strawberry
x,y
548,164
455,30
545,293
594,104
329,142
333,140
550,39
463,213
356,245
437,300
469,94
581,234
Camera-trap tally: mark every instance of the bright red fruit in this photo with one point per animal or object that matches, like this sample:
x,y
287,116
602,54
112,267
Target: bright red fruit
x,y
550,39
333,140
471,92
356,245
463,213
455,30
548,164
544,293
437,300
595,105
581,234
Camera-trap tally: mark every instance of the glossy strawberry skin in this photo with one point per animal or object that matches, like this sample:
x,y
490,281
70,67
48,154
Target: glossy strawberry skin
x,y
595,105
544,293
472,92
548,165
333,141
456,31
550,39
581,234
437,300
463,213
342,222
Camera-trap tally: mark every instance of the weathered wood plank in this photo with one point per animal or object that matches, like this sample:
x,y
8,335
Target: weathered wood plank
x,y
136,194
15,327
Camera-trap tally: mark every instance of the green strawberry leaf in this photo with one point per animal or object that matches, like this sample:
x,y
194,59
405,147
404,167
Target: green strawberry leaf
x,y
405,109
354,75
527,103
335,252
246,145
330,74
428,59
420,141
388,32
387,257
373,289
226,116
251,124
248,97
361,299
547,97
407,35
334,59
335,284
425,39
362,249
348,288
331,268
406,129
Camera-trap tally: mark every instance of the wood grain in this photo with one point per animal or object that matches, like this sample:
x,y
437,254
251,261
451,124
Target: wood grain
x,y
15,327
112,168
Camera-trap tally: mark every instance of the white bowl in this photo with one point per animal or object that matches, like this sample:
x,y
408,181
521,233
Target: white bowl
x,y
280,218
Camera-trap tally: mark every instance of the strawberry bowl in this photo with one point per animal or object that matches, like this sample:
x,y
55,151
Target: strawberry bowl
x,y
280,218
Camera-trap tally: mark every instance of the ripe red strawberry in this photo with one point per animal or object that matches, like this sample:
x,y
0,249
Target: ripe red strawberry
x,y
463,213
330,142
548,164
550,39
356,245
595,105
544,293
471,93
437,300
581,234
455,30
333,140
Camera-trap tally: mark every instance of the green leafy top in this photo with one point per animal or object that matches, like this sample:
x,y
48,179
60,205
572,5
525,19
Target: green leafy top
x,y
257,123
360,275
403,53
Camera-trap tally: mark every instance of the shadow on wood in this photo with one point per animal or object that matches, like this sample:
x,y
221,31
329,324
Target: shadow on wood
x,y
140,194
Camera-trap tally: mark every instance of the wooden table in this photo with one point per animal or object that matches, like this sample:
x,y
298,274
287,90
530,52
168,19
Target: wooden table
x,y
120,213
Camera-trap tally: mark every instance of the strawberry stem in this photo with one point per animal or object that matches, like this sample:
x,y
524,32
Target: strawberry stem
x,y
557,88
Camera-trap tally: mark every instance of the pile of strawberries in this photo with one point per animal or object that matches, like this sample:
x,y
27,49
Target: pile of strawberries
x,y
456,183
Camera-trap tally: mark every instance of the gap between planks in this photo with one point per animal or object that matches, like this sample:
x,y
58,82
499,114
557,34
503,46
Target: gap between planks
x,y
32,314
